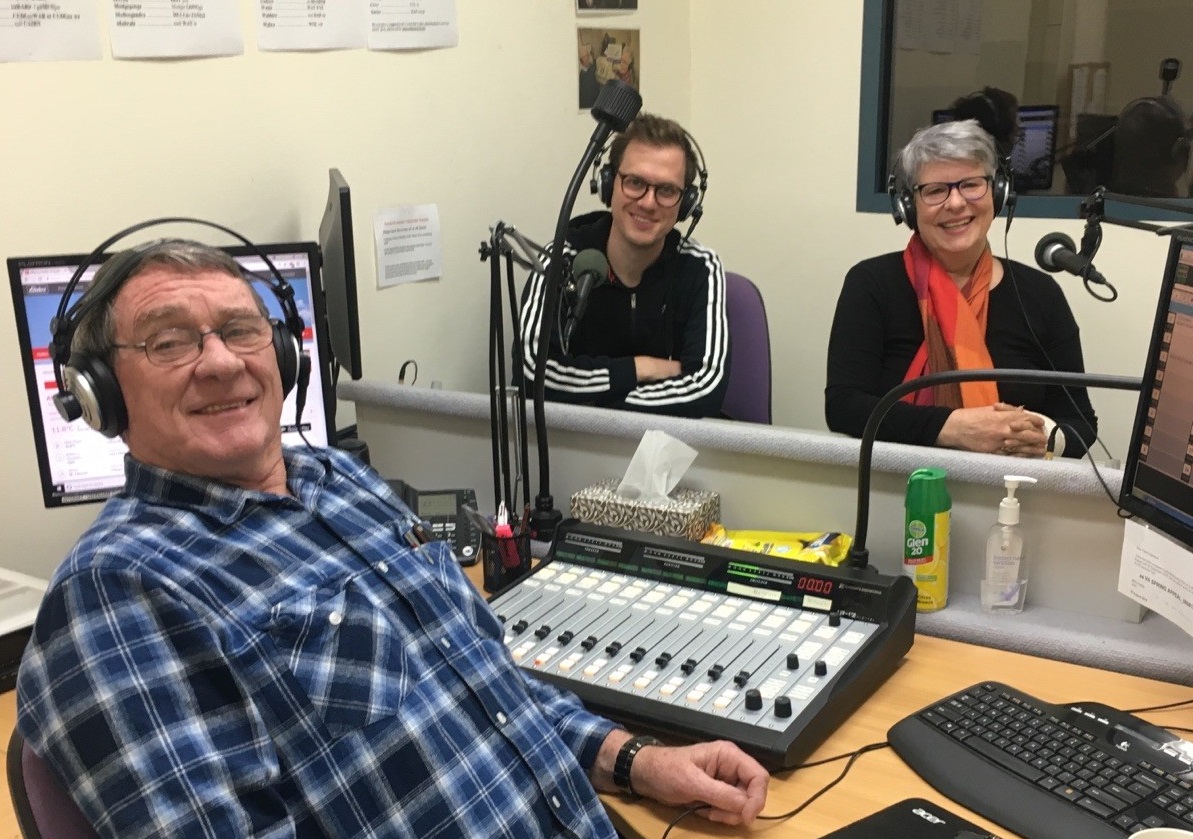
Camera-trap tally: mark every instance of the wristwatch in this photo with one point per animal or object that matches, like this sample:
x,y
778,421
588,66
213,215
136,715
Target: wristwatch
x,y
625,760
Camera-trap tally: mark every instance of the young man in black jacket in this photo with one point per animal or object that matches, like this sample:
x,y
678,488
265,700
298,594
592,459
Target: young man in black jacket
x,y
654,336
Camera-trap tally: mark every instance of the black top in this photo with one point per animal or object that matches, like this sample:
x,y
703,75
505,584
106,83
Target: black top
x,y
677,311
878,328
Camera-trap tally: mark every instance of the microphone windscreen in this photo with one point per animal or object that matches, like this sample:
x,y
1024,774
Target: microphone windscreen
x,y
590,261
1047,247
616,104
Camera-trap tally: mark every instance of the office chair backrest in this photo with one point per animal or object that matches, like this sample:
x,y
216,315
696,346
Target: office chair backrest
x,y
44,808
748,397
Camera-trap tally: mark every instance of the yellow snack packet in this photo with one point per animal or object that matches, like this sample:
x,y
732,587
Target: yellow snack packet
x,y
825,548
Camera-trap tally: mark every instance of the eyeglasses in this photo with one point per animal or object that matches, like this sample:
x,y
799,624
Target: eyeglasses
x,y
175,346
667,195
937,192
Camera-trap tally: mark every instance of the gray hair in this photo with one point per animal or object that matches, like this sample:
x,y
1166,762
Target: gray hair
x,y
964,140
96,330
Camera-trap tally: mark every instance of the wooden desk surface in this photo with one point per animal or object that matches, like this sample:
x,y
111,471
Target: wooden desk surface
x,y
933,668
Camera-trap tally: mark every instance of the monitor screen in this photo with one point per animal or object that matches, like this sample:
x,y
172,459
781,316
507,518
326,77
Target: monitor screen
x,y
1033,155
339,276
78,464
1158,476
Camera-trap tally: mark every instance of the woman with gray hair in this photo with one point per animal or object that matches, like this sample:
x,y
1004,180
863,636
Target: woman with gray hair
x,y
946,303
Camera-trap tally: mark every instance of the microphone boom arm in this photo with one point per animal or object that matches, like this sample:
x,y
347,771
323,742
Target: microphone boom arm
x,y
859,555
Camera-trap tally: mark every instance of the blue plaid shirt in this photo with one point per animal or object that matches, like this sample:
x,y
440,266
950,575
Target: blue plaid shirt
x,y
216,662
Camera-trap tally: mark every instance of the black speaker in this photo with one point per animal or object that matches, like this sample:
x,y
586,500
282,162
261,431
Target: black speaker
x,y
87,386
691,203
903,200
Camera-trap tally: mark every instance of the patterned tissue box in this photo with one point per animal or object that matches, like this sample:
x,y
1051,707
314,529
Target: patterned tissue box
x,y
686,514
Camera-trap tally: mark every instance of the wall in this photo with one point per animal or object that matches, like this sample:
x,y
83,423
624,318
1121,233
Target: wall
x,y
770,88
489,131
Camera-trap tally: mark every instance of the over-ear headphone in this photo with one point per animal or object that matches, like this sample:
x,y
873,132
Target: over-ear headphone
x,y
691,203
87,386
903,200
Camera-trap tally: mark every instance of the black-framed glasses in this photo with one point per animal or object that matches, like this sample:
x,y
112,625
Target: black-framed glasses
x,y
937,192
666,195
180,345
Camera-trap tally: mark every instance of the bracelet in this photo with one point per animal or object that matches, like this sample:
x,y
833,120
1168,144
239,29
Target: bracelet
x,y
625,760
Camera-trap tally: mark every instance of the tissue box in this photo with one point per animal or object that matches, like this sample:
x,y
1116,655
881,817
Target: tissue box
x,y
686,514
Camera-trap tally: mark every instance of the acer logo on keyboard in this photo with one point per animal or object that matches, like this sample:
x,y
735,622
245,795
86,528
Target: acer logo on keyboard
x,y
926,816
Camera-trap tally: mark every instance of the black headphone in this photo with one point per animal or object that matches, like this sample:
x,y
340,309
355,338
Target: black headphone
x,y
691,203
903,200
87,386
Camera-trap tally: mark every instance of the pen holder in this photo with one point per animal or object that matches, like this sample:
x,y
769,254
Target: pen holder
x,y
506,559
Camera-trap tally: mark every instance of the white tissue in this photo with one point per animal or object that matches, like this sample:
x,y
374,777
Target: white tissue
x,y
655,468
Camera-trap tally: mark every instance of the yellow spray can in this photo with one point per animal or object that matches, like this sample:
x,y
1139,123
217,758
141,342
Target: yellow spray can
x,y
926,537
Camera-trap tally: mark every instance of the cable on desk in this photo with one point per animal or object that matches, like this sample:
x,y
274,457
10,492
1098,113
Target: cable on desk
x,y
852,756
1182,703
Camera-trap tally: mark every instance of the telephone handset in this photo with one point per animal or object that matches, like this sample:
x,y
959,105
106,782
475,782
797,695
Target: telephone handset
x,y
440,508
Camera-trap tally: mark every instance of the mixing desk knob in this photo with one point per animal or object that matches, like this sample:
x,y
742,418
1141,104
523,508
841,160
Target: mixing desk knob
x,y
834,619
821,667
792,661
782,707
613,648
688,666
566,637
638,654
715,671
542,632
588,643
520,627
663,660
753,699
741,678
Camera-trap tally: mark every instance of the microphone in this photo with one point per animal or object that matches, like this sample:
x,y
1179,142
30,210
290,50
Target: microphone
x,y
1056,252
590,268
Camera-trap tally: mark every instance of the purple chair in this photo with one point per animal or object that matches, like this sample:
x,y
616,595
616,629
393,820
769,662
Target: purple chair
x,y
749,395
44,808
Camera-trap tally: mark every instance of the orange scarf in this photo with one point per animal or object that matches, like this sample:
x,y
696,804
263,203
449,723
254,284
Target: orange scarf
x,y
954,334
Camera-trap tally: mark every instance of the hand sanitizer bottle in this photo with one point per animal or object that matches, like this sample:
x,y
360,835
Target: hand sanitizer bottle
x,y
1004,587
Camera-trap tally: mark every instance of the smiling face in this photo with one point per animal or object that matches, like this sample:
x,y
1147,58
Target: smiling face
x,y
640,224
216,416
955,231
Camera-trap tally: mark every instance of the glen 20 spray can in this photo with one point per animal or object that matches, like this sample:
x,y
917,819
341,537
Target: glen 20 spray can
x,y
926,537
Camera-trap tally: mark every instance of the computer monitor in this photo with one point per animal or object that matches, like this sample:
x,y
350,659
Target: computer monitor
x,y
1158,476
1033,155
339,276
78,464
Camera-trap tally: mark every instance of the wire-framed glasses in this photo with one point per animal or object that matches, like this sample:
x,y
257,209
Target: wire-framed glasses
x,y
937,192
666,195
180,345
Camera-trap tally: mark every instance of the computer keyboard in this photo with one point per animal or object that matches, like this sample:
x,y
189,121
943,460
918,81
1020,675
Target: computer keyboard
x,y
1049,771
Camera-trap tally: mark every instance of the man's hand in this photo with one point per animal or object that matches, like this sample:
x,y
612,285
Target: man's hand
x,y
996,429
651,369
730,783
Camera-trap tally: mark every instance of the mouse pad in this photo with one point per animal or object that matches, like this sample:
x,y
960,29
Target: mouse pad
x,y
913,818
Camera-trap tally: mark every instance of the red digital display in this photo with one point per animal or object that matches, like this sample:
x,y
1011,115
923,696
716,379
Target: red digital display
x,y
815,585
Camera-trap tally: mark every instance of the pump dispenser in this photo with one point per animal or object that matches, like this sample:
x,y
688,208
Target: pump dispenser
x,y
1004,587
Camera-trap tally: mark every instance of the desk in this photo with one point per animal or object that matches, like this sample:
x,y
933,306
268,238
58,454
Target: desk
x,y
933,668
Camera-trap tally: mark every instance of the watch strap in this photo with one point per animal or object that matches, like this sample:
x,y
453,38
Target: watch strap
x,y
625,760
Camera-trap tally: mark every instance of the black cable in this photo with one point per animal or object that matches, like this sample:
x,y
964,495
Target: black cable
x,y
852,756
1182,703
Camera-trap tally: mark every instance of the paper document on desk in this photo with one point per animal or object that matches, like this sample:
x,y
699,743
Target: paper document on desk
x,y
1157,573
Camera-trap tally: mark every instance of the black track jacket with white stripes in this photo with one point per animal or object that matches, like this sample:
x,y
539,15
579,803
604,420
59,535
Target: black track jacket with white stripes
x,y
677,312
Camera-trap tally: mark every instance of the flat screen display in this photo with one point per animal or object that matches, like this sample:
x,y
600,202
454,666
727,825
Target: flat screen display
x,y
1158,476
1033,155
78,464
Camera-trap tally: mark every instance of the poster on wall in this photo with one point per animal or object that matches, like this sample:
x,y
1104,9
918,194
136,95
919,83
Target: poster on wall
x,y
605,54
591,6
66,30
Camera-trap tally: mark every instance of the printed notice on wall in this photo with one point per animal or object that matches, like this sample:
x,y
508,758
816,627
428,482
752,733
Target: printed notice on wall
x,y
63,30
412,24
175,28
311,24
1157,573
409,244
